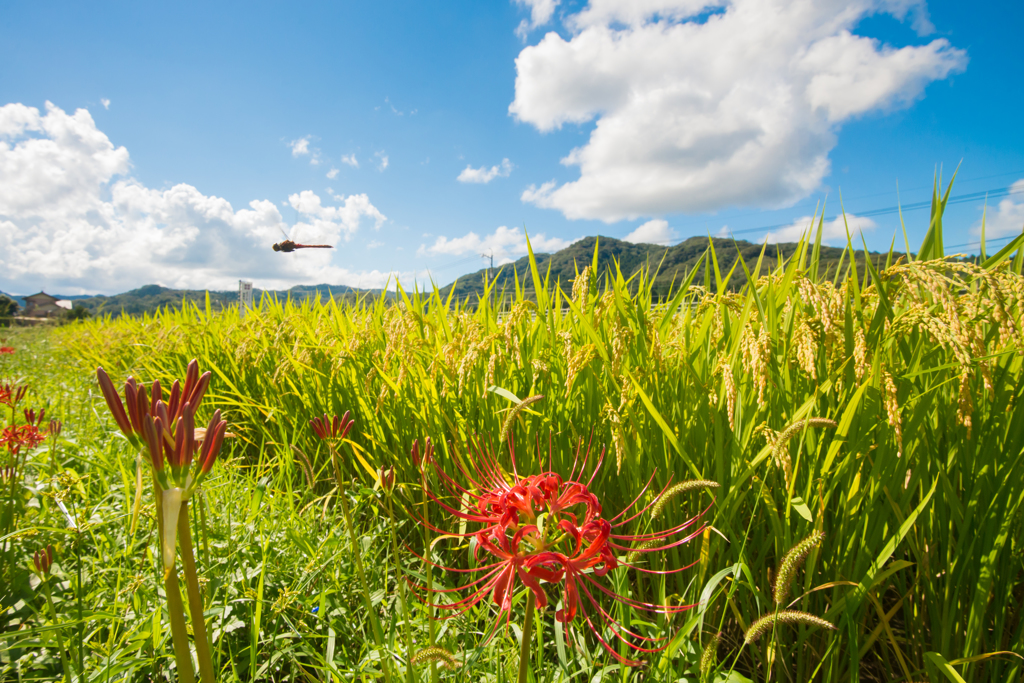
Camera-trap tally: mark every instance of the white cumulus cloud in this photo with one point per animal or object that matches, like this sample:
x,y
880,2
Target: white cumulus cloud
x,y
504,243
699,105
484,174
654,231
1006,219
833,232
72,219
332,174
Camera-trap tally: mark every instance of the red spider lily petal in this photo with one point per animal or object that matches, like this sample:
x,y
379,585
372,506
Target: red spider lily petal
x,y
152,431
114,402
639,495
191,379
136,402
185,436
55,428
387,478
665,533
174,402
199,390
157,397
6,350
346,424
211,444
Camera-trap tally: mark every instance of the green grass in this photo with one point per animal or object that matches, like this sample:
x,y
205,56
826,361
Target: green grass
x,y
921,570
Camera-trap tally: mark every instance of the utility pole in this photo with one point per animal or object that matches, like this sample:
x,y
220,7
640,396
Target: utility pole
x,y
489,255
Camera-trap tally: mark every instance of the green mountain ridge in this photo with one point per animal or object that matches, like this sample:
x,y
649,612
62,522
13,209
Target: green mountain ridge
x,y
671,264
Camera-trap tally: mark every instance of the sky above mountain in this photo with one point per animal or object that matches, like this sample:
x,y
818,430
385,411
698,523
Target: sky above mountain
x,y
175,144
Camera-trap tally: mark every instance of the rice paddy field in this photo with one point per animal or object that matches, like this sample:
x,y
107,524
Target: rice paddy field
x,y
858,436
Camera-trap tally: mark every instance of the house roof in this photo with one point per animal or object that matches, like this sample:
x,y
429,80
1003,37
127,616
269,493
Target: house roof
x,y
41,298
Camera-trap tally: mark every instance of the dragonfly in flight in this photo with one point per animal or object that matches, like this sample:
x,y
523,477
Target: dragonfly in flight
x,y
287,245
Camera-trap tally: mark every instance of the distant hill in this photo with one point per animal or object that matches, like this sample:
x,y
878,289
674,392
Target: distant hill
x,y
671,263
20,299
149,298
675,263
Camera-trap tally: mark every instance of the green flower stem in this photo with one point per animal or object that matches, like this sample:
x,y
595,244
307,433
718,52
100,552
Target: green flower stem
x,y
195,598
60,641
429,570
410,670
179,631
175,608
378,635
524,647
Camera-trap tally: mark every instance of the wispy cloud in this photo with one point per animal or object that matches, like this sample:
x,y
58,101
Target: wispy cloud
x,y
652,232
300,147
484,174
382,160
833,232
504,244
332,174
1007,218
105,102
350,159
540,14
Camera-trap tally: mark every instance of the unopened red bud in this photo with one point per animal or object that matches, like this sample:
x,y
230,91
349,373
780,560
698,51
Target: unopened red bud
x,y
387,478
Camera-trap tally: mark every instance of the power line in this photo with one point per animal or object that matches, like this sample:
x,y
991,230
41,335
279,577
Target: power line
x,y
995,193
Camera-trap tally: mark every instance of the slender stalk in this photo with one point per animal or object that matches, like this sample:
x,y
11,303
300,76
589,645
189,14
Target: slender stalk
x,y
179,631
195,598
429,571
378,634
175,608
524,647
410,669
60,641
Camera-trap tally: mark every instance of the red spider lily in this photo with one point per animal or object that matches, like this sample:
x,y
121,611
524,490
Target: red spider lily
x,y
55,428
332,428
541,529
43,559
387,478
32,418
17,437
138,405
178,446
11,395
6,350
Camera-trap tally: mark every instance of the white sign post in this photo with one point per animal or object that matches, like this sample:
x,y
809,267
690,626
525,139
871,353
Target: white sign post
x,y
244,297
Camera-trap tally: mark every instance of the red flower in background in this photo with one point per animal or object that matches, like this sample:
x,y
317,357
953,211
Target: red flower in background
x,y
17,437
11,394
5,350
541,529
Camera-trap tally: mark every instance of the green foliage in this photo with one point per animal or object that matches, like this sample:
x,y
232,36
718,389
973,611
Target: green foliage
x,y
667,266
8,307
918,489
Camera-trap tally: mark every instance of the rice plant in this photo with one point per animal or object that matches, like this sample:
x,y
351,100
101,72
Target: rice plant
x,y
876,406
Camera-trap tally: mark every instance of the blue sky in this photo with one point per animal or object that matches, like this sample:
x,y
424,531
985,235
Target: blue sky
x,y
174,144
